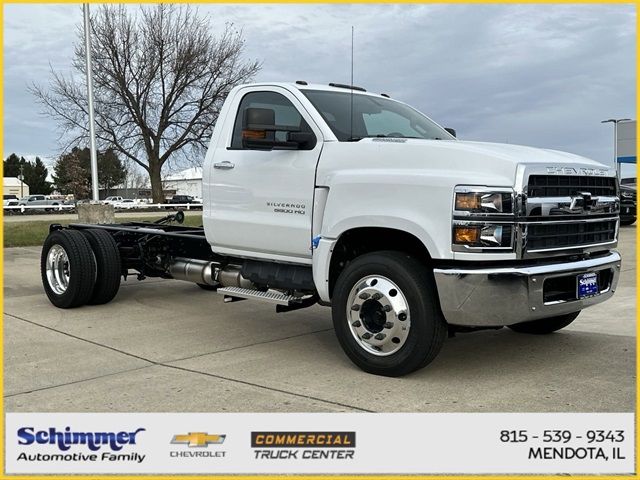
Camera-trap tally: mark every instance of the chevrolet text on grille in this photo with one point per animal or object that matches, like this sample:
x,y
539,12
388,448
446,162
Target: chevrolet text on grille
x,y
577,171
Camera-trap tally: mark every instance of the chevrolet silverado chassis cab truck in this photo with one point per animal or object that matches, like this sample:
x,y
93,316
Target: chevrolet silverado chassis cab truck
x,y
335,196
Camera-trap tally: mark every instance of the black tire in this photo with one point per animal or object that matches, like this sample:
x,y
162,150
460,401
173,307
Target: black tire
x,y
428,329
80,265
108,263
204,286
627,221
545,325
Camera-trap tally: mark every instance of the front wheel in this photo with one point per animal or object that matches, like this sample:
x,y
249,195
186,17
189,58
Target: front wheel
x,y
545,325
627,221
386,315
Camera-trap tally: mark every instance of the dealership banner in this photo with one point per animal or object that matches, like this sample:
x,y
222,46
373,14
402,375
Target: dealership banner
x,y
357,443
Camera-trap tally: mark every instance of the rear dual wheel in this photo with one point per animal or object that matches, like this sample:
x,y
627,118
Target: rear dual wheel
x,y
80,267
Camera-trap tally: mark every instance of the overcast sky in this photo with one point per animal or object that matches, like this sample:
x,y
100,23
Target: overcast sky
x,y
542,75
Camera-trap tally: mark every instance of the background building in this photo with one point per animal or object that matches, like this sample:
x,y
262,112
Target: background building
x,y
626,148
13,186
186,182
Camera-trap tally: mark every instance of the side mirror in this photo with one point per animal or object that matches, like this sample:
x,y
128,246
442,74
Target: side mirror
x,y
259,132
304,140
451,131
259,119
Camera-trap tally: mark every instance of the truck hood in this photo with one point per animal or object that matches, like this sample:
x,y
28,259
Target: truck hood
x,y
461,161
523,154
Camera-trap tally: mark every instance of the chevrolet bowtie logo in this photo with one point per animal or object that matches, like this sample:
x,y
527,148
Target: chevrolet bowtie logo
x,y
198,439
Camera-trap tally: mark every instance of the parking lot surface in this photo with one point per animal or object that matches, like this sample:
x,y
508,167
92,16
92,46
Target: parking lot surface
x,y
168,346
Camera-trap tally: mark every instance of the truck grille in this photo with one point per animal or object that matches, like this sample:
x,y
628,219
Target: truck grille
x,y
555,235
567,185
561,212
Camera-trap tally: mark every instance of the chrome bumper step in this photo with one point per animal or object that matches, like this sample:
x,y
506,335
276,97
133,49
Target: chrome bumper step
x,y
270,296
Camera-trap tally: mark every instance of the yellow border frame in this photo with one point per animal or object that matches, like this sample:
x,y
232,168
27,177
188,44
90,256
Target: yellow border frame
x,y
308,477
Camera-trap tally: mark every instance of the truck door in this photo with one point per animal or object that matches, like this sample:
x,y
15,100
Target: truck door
x,y
262,198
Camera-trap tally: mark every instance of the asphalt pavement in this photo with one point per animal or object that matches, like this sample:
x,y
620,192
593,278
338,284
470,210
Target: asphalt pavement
x,y
168,346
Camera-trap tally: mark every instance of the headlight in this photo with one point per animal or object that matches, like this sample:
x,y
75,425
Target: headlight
x,y
628,195
482,235
483,219
483,200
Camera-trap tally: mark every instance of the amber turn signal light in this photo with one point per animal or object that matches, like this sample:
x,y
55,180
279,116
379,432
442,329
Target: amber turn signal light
x,y
467,201
466,235
254,134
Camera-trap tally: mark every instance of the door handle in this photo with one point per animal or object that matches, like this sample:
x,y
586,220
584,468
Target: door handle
x,y
224,165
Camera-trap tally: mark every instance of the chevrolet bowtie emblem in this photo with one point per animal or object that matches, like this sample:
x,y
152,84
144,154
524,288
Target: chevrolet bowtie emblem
x,y
582,197
198,439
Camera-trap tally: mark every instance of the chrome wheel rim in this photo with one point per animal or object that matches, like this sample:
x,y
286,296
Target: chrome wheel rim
x,y
378,315
58,270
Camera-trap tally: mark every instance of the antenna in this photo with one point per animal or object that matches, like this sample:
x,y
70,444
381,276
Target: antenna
x,y
351,83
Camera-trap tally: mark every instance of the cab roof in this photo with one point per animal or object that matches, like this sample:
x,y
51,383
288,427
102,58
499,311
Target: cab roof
x,y
332,87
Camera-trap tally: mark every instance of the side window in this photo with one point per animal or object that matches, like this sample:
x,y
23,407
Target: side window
x,y
286,115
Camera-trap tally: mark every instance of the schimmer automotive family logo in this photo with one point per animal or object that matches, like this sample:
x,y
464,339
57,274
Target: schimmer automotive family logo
x,y
77,445
303,445
199,441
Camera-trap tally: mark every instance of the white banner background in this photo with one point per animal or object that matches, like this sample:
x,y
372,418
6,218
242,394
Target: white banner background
x,y
402,443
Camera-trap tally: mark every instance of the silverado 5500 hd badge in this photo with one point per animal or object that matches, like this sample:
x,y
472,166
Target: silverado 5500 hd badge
x,y
281,207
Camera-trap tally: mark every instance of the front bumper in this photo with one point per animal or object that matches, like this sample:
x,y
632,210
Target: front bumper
x,y
487,297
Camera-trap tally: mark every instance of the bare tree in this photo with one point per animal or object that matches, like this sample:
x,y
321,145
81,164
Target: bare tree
x,y
160,78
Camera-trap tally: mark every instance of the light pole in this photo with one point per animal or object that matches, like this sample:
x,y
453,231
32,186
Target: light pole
x,y
21,178
92,131
615,122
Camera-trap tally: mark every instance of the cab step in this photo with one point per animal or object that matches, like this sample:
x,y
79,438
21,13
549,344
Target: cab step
x,y
269,296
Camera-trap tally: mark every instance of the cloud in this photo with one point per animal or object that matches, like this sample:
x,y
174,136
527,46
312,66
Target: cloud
x,y
542,75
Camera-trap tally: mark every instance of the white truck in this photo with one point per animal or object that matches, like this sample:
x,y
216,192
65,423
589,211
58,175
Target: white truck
x,y
335,196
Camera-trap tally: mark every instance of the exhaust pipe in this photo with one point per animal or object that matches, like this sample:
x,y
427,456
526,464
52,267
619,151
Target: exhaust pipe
x,y
231,276
204,272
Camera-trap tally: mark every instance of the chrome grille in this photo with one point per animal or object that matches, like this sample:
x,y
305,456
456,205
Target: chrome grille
x,y
563,212
557,235
567,185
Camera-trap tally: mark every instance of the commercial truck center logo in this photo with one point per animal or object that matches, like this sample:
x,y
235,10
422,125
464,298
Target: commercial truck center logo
x,y
199,440
68,439
303,445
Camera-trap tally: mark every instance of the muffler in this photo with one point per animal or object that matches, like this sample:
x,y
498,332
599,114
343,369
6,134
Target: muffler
x,y
192,270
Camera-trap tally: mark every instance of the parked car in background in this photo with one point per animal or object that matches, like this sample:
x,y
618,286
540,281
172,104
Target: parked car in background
x,y
184,199
125,204
628,201
112,200
41,201
8,200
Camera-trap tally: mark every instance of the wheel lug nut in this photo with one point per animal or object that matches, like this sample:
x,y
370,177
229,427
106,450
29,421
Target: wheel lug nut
x,y
356,324
380,336
402,316
366,336
388,325
376,296
364,295
387,308
355,308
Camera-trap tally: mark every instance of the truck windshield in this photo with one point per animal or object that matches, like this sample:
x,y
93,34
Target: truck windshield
x,y
372,117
